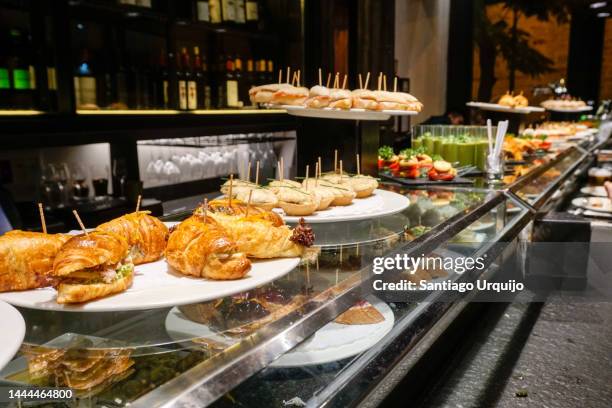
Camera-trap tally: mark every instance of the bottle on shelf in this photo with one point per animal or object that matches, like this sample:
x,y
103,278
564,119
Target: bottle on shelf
x,y
252,13
207,84
231,84
201,80
85,87
261,71
239,77
21,73
219,73
214,9
228,11
202,11
160,83
192,91
249,80
240,12
181,79
270,71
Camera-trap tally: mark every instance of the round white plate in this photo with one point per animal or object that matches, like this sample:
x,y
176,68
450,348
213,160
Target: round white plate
x,y
574,110
349,114
12,332
600,204
379,204
596,191
157,285
330,343
500,108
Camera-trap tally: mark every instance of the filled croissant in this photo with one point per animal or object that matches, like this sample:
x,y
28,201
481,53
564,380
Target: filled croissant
x,y
92,266
146,235
26,259
200,247
238,207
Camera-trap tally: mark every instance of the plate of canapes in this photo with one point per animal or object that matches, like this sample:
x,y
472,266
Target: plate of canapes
x,y
326,197
336,102
508,103
137,262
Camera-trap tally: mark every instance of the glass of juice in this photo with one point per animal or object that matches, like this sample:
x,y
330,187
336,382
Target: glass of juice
x,y
417,143
437,146
480,154
450,150
465,152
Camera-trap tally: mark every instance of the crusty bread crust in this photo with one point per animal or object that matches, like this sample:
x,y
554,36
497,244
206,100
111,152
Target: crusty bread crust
x,y
76,293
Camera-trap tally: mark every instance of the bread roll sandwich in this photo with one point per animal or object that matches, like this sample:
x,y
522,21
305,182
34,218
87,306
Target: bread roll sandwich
x,y
340,99
92,266
26,259
237,207
264,93
290,95
146,235
260,197
201,247
276,185
364,99
318,97
362,185
296,201
324,194
397,101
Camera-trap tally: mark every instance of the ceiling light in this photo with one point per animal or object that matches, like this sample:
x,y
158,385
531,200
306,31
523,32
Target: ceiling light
x,y
598,4
603,15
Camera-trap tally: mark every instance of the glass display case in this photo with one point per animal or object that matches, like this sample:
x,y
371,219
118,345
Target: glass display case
x,y
295,340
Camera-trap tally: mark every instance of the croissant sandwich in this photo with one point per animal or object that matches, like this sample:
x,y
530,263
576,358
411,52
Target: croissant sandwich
x,y
200,247
146,235
26,259
238,207
259,237
92,266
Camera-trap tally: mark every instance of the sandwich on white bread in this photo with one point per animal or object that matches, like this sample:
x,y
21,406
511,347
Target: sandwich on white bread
x,y
364,99
264,93
290,95
318,97
340,99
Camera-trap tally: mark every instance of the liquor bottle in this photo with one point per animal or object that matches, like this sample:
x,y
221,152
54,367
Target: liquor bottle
x,y
240,12
238,75
219,74
207,86
261,72
19,70
231,85
214,8
203,11
249,80
192,91
228,10
270,72
160,83
181,79
252,13
85,88
200,79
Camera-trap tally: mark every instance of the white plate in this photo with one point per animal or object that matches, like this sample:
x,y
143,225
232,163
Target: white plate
x,y
12,332
500,108
596,191
349,114
156,285
574,110
330,343
599,204
379,204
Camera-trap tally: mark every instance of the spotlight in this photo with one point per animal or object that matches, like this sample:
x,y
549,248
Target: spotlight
x,y
603,15
598,4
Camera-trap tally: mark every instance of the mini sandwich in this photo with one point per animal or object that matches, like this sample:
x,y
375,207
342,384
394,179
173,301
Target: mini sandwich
x,y
397,101
364,99
318,97
263,93
92,266
290,95
340,99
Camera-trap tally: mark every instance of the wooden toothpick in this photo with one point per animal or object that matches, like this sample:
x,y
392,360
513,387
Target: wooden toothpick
x,y
257,173
76,215
138,202
231,186
385,83
358,167
288,73
42,218
360,82
395,84
341,173
335,161
344,81
320,78
366,81
280,177
328,79
282,166
319,162
337,80
280,76
307,173
249,172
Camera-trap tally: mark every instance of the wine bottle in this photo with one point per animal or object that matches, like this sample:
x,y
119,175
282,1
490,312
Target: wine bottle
x,y
160,86
249,80
252,13
203,11
238,75
270,71
228,9
198,71
240,12
181,82
192,92
231,85
214,8
85,88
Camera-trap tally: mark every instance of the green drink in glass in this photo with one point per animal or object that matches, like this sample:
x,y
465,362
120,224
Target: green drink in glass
x,y
465,153
437,147
480,154
450,151
428,142
417,143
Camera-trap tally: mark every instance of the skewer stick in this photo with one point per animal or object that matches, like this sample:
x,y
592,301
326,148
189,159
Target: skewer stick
x,y
257,173
335,161
319,161
42,218
320,78
288,73
360,82
76,215
246,213
328,79
341,172
280,177
344,81
249,172
358,166
316,174
231,186
336,79
138,202
299,75
280,76
385,83
293,78
282,166
366,81
307,174
395,84
379,80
